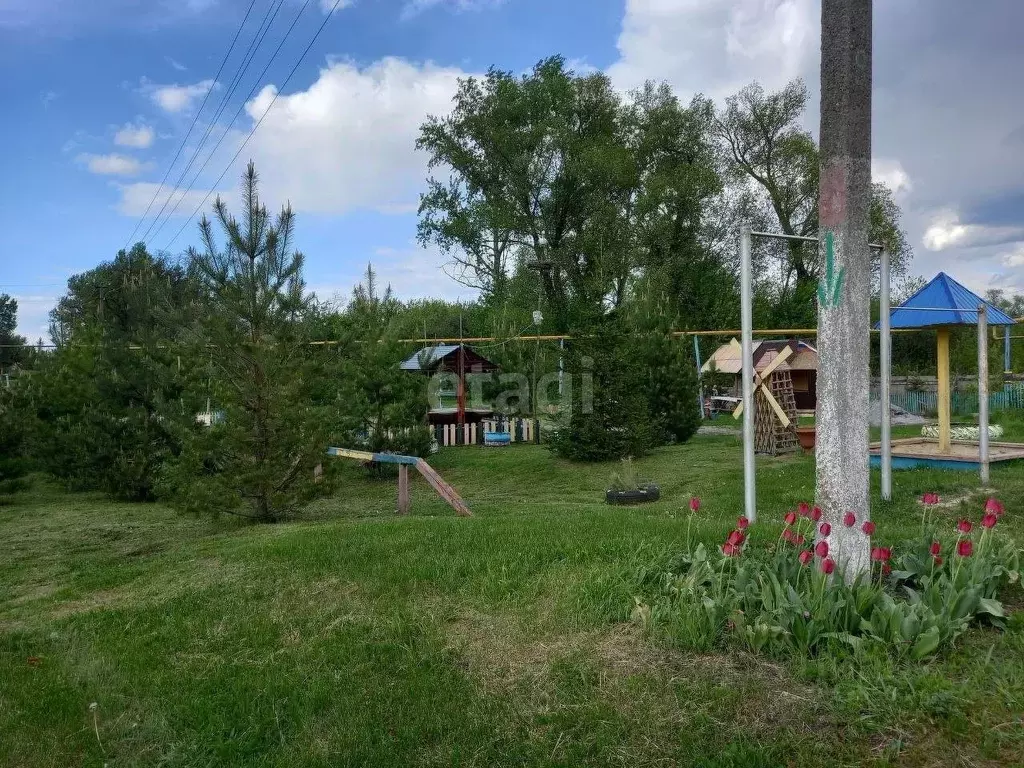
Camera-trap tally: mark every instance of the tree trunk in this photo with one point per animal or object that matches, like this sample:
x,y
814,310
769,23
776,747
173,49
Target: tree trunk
x,y
845,278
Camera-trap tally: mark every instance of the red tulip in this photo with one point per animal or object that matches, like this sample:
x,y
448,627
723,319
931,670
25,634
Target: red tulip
x,y
816,514
799,540
827,566
935,548
694,504
964,526
965,548
742,523
787,534
790,518
825,529
730,550
995,507
876,554
930,498
736,538
821,549
886,569
868,527
849,519
886,553
805,557
989,520
938,561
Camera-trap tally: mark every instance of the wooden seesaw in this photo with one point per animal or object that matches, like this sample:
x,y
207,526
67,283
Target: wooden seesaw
x,y
444,490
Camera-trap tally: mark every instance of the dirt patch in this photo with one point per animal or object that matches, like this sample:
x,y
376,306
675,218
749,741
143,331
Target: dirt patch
x,y
499,651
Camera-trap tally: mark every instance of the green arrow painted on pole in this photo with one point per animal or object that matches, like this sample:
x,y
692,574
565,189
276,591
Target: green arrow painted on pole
x,y
830,287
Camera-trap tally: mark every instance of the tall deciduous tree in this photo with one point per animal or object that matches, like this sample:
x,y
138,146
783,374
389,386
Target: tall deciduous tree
x,y
536,166
592,189
257,457
764,144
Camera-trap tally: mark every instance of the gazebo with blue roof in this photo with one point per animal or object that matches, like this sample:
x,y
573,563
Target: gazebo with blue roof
x,y
942,304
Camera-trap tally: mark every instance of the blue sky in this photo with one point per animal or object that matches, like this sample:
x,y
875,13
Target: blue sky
x,y
100,95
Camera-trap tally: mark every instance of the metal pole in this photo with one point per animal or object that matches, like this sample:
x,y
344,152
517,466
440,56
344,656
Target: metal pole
x,y
561,368
746,347
700,393
885,360
983,392
1006,349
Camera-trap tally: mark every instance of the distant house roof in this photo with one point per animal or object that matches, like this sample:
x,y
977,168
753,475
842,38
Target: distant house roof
x,y
426,357
726,358
445,357
943,301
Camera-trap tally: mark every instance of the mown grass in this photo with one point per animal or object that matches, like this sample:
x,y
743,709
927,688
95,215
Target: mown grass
x,y
353,637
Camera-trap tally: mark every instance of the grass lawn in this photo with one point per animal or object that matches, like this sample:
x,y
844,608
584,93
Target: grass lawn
x,y
352,637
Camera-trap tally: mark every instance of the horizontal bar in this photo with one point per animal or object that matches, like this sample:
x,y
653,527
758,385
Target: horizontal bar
x,y
384,458
804,238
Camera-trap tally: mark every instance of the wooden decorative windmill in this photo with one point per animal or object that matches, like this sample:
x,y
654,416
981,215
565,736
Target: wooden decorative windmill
x,y
774,404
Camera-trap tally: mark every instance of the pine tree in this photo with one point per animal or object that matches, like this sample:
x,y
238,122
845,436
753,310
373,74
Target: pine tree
x,y
257,457
609,417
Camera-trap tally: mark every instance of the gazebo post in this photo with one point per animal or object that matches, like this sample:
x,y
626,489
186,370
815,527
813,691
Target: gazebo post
x,y
942,375
983,392
885,369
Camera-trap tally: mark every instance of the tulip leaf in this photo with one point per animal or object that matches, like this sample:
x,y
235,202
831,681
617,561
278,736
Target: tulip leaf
x,y
910,628
926,644
991,607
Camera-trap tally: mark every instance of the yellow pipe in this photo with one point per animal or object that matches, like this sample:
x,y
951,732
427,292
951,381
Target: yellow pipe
x,y
942,350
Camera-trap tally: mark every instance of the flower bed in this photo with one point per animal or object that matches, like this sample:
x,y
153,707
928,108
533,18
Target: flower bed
x,y
788,596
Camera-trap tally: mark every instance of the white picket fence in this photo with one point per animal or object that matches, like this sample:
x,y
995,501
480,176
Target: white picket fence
x,y
519,431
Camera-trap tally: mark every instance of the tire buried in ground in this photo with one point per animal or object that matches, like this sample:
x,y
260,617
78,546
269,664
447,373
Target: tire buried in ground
x,y
633,496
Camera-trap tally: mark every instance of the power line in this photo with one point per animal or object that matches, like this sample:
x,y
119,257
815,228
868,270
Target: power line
x,y
181,146
260,121
234,117
250,53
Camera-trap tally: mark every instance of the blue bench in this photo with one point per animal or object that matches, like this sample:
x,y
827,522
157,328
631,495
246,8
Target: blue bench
x,y
497,438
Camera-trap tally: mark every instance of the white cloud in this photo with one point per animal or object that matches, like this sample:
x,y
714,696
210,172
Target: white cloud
x,y
135,199
891,173
111,165
415,7
34,316
412,272
328,5
947,231
177,98
1015,257
715,47
175,63
348,141
138,136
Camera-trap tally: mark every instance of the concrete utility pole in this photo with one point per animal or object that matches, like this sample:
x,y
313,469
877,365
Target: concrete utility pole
x,y
844,290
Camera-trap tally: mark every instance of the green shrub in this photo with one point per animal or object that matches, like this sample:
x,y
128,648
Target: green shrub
x,y
13,432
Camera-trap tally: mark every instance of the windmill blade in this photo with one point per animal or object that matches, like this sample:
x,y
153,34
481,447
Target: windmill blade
x,y
775,406
778,360
739,411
